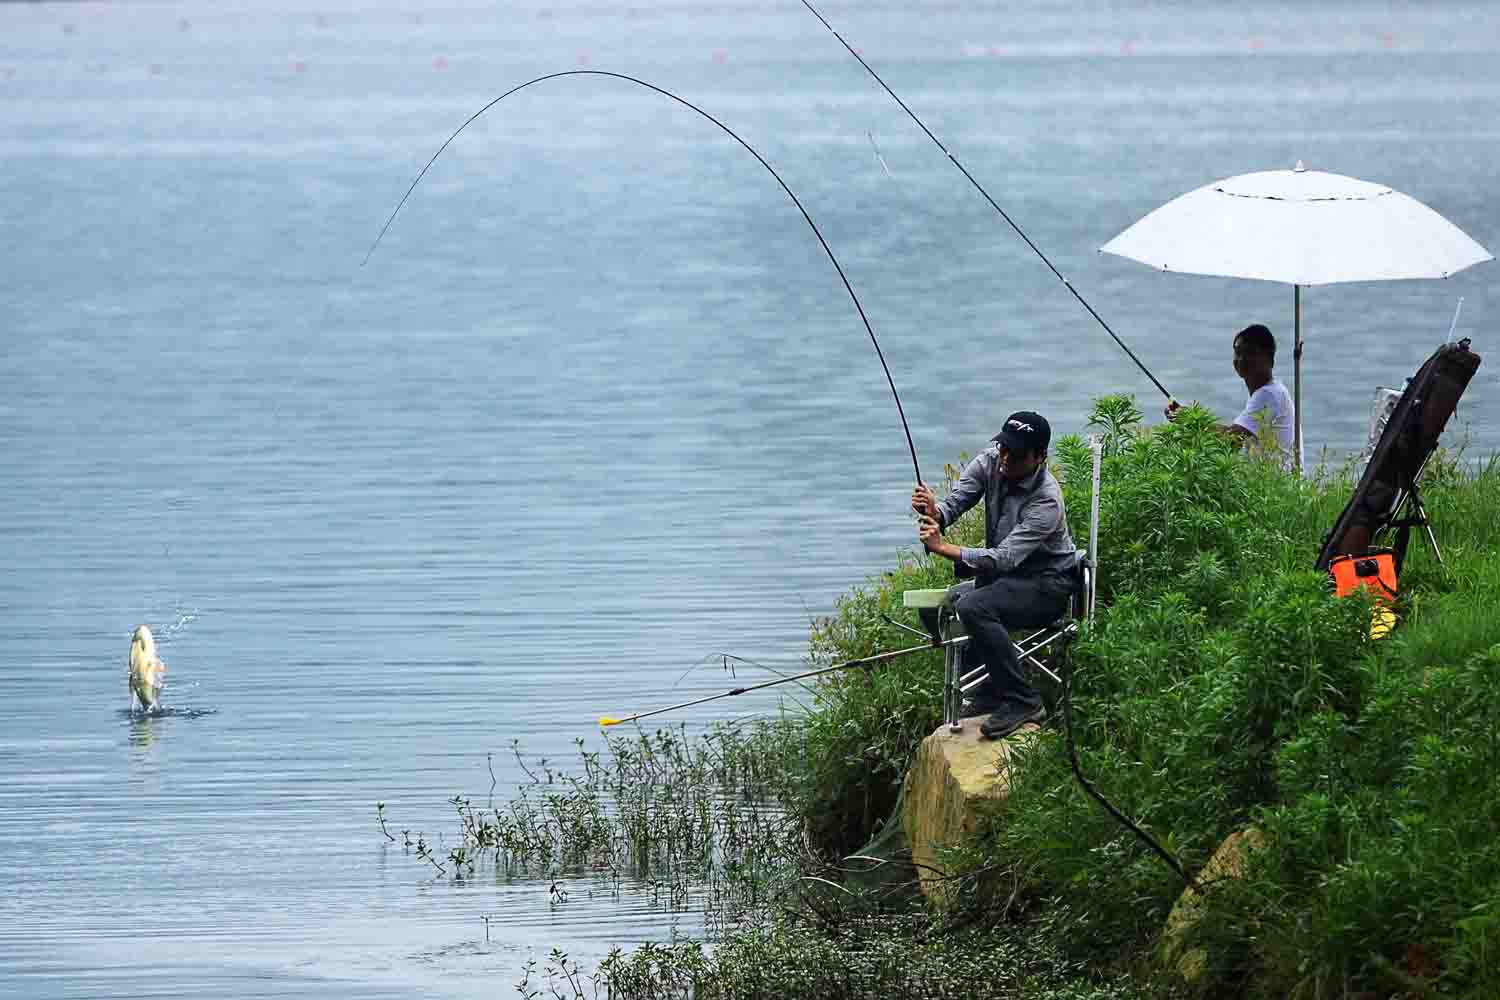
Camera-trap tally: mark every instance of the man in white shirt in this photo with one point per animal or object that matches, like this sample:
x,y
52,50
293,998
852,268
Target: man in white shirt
x,y
1268,417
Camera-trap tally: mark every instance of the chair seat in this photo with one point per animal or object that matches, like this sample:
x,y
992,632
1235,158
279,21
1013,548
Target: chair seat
x,y
924,598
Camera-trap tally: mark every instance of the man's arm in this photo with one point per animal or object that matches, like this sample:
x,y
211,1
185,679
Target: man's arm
x,y
931,534
1040,517
968,491
1232,430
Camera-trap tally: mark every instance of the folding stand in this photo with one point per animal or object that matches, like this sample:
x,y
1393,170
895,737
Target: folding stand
x,y
1402,525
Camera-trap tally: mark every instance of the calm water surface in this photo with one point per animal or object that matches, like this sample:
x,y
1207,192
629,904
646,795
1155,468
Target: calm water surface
x,y
596,409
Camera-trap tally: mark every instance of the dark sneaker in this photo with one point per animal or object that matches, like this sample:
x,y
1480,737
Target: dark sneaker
x,y
1009,718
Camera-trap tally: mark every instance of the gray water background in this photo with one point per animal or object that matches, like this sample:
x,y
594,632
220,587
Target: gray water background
x,y
597,408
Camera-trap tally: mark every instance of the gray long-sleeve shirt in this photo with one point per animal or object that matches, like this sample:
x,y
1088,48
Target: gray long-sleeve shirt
x,y
1025,525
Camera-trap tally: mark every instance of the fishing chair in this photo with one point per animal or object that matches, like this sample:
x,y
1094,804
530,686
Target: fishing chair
x,y
935,607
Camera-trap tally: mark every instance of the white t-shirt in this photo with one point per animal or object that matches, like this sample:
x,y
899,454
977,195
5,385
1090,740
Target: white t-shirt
x,y
1271,406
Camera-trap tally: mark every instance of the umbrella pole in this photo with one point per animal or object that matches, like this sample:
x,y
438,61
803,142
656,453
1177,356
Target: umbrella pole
x,y
1297,381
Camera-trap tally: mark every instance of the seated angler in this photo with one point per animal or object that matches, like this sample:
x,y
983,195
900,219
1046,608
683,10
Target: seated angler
x,y
1024,575
1267,421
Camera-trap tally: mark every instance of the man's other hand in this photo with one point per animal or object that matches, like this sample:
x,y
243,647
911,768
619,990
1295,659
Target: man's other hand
x,y
1173,409
929,532
923,502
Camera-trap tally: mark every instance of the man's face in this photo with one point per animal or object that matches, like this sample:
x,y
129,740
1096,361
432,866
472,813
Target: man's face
x,y
1017,465
1247,361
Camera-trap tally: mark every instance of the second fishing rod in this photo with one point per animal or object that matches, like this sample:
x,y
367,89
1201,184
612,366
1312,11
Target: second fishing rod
x,y
993,203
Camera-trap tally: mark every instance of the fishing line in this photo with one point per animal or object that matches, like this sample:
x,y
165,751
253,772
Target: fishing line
x,y
993,204
727,131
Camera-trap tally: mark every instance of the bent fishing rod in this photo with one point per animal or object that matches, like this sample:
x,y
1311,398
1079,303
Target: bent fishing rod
x,y
865,662
993,204
727,131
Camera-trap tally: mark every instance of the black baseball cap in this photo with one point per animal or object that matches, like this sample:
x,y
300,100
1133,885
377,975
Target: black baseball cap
x,y
1025,431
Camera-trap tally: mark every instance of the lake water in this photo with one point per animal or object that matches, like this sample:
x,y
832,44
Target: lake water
x,y
596,409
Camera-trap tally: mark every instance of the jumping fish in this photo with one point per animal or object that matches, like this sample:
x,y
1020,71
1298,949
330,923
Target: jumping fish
x,y
145,671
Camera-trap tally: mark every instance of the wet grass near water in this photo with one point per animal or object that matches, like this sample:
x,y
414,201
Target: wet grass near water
x,y
696,822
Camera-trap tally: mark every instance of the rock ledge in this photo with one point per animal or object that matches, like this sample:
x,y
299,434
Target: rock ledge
x,y
954,778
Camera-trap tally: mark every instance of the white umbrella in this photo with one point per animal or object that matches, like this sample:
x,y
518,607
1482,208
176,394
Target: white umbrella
x,y
1301,227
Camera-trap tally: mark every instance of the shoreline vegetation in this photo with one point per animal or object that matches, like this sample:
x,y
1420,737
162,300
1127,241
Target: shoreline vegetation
x,y
1221,689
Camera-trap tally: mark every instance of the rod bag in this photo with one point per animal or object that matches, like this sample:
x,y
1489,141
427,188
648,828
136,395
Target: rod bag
x,y
1411,435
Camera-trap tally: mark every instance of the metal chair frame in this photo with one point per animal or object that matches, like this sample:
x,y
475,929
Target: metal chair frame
x,y
1029,649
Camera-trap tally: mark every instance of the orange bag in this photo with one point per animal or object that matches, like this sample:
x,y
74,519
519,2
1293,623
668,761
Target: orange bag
x,y
1374,569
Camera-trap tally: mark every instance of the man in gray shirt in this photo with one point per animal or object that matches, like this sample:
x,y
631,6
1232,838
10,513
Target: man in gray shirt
x,y
1025,573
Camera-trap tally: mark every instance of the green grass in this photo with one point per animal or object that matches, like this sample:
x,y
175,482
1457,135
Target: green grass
x,y
892,958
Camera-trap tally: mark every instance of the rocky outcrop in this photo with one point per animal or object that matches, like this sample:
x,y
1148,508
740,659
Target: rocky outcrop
x,y
1228,861
955,777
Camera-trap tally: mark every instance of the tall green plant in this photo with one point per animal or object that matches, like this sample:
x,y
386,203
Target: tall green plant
x,y
1117,419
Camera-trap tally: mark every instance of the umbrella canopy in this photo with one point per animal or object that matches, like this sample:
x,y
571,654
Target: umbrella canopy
x,y
1299,227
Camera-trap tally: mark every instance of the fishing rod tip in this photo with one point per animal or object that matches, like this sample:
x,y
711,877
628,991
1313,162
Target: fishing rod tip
x,y
606,721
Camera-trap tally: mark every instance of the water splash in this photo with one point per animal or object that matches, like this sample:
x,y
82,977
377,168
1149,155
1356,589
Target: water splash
x,y
164,712
185,617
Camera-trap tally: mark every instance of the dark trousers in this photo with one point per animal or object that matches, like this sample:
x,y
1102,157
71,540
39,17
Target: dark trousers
x,y
991,610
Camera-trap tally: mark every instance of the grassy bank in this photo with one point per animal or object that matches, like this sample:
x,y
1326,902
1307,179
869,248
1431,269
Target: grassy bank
x,y
1221,688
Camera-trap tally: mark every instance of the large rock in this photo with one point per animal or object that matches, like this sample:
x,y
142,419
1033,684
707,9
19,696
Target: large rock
x,y
955,777
1228,861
